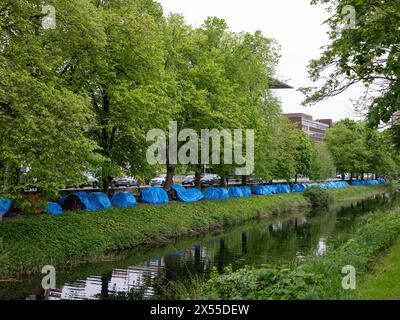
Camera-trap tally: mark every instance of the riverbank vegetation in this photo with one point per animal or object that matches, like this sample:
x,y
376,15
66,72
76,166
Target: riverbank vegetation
x,y
319,277
383,283
30,242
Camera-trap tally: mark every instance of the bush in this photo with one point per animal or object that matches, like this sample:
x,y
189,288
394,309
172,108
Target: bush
x,y
281,283
318,197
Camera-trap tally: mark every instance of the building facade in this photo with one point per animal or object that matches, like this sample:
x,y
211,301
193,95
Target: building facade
x,y
315,129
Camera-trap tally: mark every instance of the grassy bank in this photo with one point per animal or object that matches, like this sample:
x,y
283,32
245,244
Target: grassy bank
x,y
33,241
320,277
384,282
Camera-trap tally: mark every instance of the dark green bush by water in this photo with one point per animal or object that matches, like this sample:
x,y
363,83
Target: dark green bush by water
x,y
317,196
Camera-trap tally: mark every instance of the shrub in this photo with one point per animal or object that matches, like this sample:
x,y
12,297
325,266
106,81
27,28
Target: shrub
x,y
318,197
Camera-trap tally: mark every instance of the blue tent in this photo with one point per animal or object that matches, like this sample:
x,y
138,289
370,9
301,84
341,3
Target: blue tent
x,y
299,187
99,200
187,195
54,208
216,193
239,192
61,201
123,199
86,201
155,195
368,182
5,205
274,189
282,188
263,190
334,185
82,196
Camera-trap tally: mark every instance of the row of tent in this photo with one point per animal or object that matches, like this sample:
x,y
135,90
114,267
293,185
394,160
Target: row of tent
x,y
92,201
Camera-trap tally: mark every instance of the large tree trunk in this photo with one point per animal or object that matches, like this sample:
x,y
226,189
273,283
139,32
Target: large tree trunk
x,y
223,182
197,177
169,180
107,183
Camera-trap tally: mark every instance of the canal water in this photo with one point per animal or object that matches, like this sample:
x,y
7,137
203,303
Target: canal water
x,y
150,273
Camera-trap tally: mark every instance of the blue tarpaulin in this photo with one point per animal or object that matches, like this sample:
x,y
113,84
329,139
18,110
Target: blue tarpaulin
x,y
61,201
5,205
263,190
123,199
155,195
239,192
99,200
368,182
187,195
83,197
334,185
91,200
216,193
282,188
54,208
299,187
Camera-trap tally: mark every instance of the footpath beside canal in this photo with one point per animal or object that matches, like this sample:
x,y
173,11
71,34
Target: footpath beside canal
x,y
29,243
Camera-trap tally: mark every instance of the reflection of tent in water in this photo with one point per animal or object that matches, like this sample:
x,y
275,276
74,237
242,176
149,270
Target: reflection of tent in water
x,y
86,201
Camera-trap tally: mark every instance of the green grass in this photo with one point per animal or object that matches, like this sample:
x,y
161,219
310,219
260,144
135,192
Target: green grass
x,y
28,243
384,282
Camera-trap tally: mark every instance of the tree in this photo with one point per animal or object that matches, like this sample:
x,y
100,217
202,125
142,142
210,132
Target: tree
x,y
366,54
322,164
346,142
306,154
222,82
43,124
283,151
125,81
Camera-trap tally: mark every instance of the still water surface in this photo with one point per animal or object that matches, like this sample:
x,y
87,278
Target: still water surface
x,y
148,273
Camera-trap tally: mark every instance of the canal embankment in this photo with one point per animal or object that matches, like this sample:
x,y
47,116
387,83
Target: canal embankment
x,y
29,243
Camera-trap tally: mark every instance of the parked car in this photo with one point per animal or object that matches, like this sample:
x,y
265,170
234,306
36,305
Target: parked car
x,y
158,181
210,180
125,181
90,180
188,181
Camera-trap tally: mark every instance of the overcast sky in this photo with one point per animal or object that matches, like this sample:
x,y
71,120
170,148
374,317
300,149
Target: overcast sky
x,y
298,28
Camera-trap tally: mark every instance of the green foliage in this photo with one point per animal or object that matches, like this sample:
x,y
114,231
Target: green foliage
x,y
366,54
282,283
4,262
355,148
306,154
42,121
318,197
322,166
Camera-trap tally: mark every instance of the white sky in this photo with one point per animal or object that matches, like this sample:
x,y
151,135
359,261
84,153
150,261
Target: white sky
x,y
295,24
